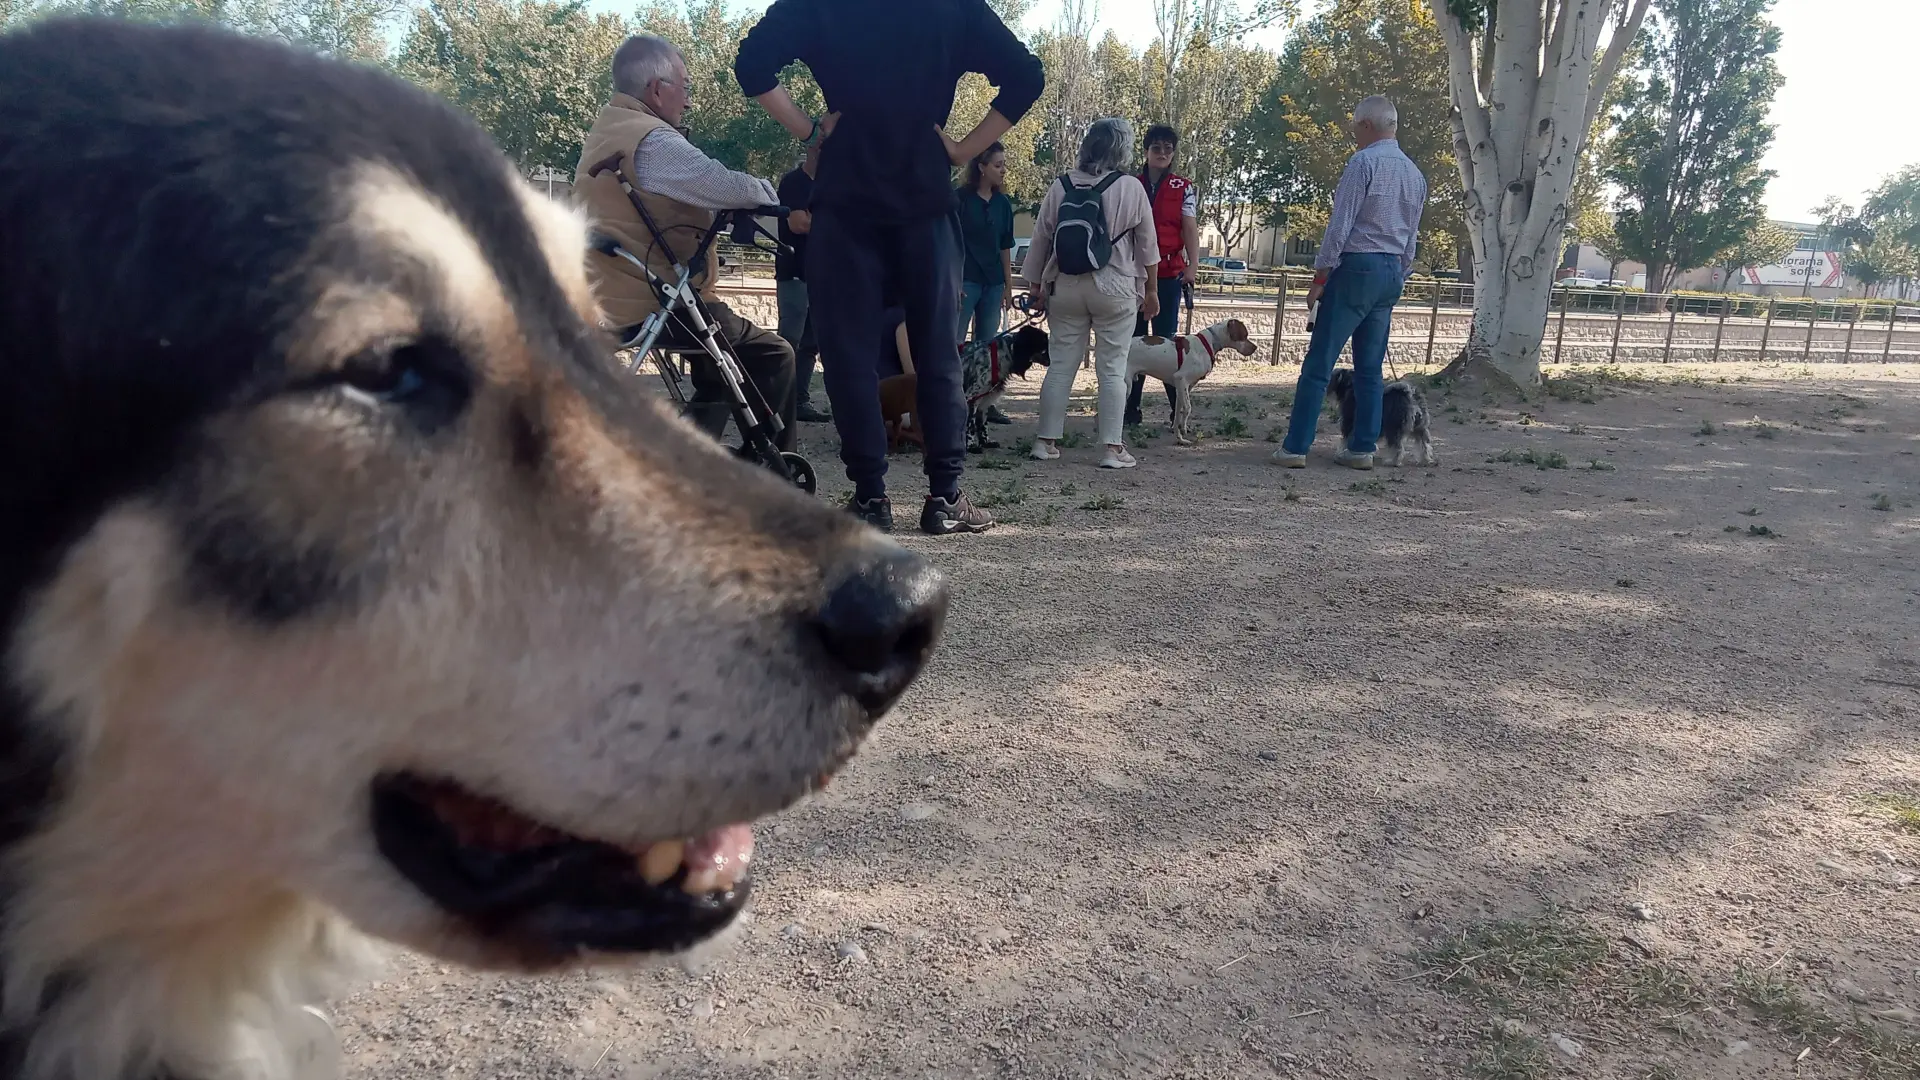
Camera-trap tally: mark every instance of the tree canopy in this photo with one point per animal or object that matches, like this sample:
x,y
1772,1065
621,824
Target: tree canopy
x,y
1690,132
1296,142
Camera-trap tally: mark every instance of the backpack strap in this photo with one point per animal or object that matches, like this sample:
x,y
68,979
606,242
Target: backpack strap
x,y
1101,187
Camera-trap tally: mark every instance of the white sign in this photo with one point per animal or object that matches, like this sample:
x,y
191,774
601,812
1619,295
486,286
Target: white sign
x,y
1819,269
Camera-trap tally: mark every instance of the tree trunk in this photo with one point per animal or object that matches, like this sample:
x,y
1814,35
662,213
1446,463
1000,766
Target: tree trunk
x,y
1524,98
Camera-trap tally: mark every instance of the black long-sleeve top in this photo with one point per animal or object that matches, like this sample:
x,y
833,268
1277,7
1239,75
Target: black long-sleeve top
x,y
889,67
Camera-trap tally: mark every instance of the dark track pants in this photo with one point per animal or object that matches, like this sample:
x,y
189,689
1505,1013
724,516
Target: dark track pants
x,y
765,357
851,262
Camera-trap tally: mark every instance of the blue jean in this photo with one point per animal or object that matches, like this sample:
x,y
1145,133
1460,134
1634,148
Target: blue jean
x,y
980,307
1358,304
797,328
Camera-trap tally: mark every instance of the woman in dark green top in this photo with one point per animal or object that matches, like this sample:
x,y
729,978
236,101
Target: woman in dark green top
x,y
986,227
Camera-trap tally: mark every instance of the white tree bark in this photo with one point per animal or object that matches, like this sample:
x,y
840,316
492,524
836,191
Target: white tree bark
x,y
1525,92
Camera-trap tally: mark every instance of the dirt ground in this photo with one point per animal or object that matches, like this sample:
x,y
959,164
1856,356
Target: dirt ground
x,y
1602,760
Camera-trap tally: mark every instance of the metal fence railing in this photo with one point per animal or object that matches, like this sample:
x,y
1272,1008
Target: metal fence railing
x,y
1589,326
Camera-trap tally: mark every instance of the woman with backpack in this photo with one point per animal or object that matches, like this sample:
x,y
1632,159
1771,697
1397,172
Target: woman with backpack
x,y
1093,254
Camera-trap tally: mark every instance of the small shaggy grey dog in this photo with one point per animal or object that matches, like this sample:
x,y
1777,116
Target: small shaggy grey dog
x,y
1403,416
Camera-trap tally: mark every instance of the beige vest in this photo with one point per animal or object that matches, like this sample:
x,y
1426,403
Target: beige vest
x,y
623,293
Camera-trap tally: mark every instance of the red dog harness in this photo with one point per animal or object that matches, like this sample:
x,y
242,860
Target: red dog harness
x,y
994,378
1180,349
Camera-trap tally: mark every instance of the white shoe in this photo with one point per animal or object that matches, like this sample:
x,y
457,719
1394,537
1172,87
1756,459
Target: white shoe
x,y
1118,459
1289,461
1045,451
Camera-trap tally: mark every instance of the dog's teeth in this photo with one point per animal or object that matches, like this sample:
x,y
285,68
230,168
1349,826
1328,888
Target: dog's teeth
x,y
707,879
659,862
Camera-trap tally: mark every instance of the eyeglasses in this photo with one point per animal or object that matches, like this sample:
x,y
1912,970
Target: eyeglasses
x,y
685,88
1160,148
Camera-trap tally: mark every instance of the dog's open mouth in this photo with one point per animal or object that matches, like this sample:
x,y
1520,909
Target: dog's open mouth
x,y
533,888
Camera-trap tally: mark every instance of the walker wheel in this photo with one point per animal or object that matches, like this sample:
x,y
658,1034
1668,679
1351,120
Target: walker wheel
x,y
801,472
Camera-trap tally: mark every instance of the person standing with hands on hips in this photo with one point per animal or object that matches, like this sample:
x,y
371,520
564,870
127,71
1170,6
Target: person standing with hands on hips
x,y
883,208
1176,225
1364,261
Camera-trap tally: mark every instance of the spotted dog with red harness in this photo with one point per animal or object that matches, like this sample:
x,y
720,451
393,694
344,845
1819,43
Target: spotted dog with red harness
x,y
1182,361
985,367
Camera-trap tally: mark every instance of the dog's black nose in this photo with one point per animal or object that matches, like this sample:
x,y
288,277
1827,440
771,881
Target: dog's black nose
x,y
882,615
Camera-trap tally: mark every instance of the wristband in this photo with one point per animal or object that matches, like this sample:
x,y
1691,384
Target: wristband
x,y
813,137
1320,277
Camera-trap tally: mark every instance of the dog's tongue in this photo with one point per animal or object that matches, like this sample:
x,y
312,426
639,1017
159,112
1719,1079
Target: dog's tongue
x,y
717,861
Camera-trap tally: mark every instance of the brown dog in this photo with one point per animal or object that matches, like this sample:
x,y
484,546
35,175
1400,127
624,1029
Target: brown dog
x,y
899,397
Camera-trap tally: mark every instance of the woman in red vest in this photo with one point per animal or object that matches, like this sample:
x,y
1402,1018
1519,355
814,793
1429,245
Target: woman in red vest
x,y
1176,225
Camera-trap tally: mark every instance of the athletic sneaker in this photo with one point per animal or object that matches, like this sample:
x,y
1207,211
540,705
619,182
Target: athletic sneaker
x,y
1289,461
1351,460
942,517
995,416
807,414
1118,459
1045,451
875,512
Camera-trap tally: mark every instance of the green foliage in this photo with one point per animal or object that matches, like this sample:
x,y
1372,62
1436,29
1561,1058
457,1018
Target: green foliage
x,y
1881,242
1893,210
1764,243
533,72
1690,132
722,121
1298,143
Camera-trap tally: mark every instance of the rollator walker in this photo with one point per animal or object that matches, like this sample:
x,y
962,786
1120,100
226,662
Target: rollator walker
x,y
759,424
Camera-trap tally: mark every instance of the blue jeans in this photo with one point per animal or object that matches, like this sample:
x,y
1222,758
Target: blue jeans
x,y
797,328
980,306
1357,304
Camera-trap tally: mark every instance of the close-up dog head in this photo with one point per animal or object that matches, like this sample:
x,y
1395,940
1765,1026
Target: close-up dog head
x,y
1237,338
343,574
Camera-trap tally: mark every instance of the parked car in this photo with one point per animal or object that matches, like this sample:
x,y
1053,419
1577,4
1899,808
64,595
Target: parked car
x,y
1224,271
1579,282
1019,255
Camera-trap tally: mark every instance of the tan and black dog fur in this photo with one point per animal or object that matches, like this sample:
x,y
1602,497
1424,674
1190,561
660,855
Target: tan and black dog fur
x,y
346,588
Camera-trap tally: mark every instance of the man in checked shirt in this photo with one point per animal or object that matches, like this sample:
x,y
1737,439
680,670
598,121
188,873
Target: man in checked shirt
x,y
1364,260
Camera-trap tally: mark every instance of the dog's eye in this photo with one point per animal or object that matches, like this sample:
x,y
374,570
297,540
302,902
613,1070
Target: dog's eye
x,y
385,375
426,381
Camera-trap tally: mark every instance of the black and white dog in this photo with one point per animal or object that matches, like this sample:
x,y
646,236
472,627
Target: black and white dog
x,y
1403,416
985,367
346,586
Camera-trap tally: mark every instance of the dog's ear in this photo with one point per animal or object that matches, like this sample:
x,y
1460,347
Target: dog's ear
x,y
1237,331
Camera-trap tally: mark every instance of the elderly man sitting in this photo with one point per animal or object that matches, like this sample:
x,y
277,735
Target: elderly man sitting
x,y
681,188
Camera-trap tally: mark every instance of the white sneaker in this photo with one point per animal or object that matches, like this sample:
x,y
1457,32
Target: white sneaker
x,y
1045,451
1351,460
1118,459
1289,461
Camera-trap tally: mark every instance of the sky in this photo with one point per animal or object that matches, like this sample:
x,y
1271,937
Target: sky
x,y
1841,121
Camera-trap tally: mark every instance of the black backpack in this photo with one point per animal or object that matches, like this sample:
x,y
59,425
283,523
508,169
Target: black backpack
x,y
1080,241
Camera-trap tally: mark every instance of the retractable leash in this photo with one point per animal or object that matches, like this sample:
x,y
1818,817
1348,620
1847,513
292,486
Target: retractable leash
x,y
1186,291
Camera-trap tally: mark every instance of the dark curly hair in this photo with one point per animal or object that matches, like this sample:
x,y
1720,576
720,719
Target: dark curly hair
x,y
973,168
